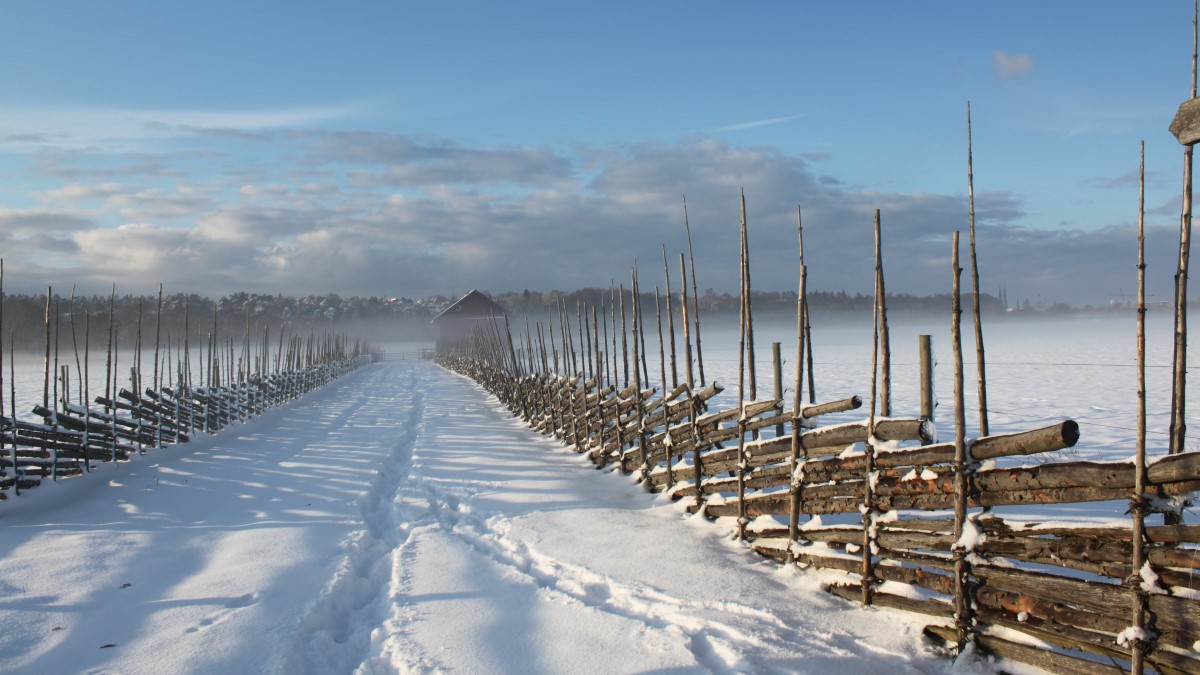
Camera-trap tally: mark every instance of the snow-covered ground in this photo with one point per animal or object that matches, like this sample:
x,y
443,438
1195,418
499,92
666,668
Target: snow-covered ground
x,y
402,520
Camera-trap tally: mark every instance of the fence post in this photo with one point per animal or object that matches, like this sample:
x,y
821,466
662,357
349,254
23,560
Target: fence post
x,y
925,355
777,366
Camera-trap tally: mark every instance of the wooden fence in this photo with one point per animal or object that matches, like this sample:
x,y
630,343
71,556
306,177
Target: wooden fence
x,y
1060,598
71,437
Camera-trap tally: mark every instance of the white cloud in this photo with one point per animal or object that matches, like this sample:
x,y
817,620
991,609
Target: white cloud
x,y
24,222
86,128
82,192
758,123
1008,66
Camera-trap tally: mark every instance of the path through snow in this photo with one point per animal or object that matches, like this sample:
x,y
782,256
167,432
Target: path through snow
x,y
402,520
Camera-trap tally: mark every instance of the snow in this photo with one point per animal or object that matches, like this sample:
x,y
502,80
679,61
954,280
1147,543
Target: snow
x,y
1133,634
401,520
972,535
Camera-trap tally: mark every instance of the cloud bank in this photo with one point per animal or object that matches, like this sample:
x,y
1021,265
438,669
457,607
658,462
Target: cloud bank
x,y
378,213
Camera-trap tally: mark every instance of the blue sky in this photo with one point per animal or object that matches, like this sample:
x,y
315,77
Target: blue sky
x,y
398,148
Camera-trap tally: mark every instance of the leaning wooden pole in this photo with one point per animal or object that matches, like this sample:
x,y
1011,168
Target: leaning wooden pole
x,y
670,323
687,331
46,360
962,600
807,327
13,455
695,294
812,380
641,335
747,308
612,310
979,353
662,359
609,374
795,468
1138,502
553,345
59,406
777,381
108,369
742,465
885,344
157,346
868,504
637,373
12,402
1178,428
75,345
624,342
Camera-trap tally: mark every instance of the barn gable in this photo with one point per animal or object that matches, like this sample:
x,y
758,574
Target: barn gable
x,y
459,319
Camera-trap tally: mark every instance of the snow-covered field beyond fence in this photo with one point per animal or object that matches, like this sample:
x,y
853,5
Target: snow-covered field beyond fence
x,y
401,520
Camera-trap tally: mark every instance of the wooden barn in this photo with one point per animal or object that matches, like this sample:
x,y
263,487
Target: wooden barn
x,y
458,320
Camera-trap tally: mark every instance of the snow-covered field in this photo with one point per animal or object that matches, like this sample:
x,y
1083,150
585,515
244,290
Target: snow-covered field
x,y
401,520
1039,373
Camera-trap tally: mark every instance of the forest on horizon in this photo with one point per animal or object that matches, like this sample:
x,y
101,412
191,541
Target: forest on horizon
x,y
381,319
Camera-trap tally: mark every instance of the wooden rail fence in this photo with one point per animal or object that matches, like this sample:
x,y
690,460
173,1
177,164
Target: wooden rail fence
x,y
68,440
914,524
1066,587
70,436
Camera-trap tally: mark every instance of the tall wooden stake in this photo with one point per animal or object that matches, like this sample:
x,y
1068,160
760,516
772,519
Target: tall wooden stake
x,y
812,383
157,346
1178,427
752,380
885,345
625,341
868,505
695,294
670,323
662,358
807,326
78,369
637,375
13,456
742,466
979,353
794,466
12,402
46,360
777,382
1138,503
108,369
962,600
687,331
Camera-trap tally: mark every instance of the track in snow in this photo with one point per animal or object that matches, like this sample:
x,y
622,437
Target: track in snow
x,y
507,552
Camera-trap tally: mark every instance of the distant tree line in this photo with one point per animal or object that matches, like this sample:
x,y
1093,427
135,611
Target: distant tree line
x,y
765,303
231,316
380,319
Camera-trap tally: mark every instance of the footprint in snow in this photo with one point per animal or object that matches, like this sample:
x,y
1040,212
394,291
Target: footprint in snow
x,y
230,605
